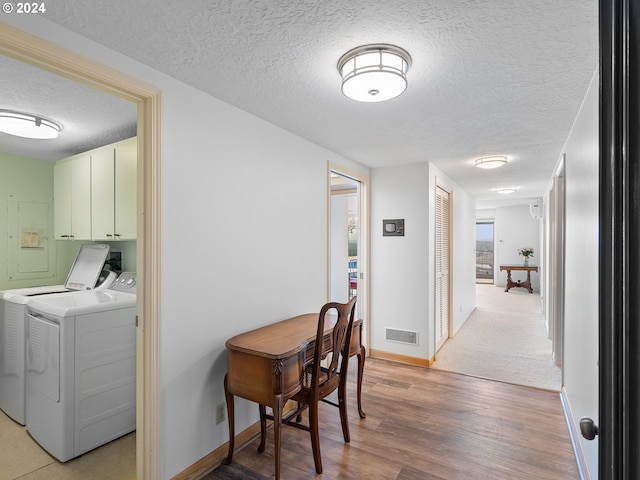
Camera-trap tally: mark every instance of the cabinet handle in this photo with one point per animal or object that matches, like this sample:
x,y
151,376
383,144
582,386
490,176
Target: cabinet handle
x,y
109,235
117,235
64,236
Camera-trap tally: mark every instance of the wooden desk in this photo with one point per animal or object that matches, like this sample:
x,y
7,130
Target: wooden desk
x,y
526,284
266,364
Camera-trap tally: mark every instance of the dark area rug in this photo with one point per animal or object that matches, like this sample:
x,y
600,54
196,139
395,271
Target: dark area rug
x,y
233,472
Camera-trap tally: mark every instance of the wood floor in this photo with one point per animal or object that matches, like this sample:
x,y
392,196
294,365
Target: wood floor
x,y
427,424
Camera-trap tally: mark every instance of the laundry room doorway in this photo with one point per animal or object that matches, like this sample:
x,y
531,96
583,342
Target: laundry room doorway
x,y
19,45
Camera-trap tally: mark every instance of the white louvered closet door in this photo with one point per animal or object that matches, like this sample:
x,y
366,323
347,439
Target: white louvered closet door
x,y
442,266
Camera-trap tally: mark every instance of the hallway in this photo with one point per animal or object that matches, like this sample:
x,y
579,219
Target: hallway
x,y
504,339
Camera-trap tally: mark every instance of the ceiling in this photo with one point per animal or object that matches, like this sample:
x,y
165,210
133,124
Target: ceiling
x,y
488,77
89,118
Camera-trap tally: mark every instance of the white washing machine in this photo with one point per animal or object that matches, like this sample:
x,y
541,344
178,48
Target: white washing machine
x,y
81,368
85,273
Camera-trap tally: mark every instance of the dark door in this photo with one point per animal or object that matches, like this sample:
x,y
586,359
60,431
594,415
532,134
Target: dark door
x,y
619,263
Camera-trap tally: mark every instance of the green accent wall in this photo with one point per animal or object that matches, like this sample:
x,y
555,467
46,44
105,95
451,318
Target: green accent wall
x,y
22,177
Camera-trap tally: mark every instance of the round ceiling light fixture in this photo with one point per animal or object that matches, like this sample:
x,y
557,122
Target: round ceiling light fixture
x,y
374,73
505,190
27,125
491,162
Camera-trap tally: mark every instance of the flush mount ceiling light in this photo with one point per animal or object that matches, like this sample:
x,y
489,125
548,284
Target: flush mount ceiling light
x,y
505,190
491,162
374,73
27,125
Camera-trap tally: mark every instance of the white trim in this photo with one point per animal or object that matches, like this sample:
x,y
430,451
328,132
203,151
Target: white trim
x,y
574,435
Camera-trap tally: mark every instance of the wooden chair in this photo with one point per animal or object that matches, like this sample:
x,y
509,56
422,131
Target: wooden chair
x,y
320,380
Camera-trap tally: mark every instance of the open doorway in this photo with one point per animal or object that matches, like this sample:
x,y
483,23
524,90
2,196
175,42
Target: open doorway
x,y
21,46
484,252
344,237
348,240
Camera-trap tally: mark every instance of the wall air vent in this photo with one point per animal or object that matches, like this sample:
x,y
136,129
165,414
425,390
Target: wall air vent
x,y
402,336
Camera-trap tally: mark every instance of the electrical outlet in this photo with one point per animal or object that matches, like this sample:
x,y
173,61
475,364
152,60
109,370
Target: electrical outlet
x,y
220,413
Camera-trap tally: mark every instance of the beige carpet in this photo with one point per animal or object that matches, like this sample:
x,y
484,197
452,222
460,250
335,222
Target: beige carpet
x,y
503,339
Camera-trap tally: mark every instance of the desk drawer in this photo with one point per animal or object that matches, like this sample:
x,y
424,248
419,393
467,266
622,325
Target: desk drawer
x,y
259,378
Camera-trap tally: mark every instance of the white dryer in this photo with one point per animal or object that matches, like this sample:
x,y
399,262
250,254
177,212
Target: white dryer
x,y
85,273
81,368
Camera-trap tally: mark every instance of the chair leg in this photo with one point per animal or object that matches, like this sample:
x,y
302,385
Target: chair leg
x,y
342,405
263,428
315,435
299,416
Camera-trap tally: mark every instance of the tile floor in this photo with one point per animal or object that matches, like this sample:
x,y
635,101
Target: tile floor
x,y
21,458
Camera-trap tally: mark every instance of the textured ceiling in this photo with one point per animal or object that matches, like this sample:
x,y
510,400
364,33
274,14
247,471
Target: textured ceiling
x,y
488,76
89,118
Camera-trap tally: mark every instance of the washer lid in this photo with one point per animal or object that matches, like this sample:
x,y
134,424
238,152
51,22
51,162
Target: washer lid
x,y
23,295
87,266
80,303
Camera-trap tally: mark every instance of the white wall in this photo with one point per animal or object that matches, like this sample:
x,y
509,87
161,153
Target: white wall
x,y
400,265
463,262
515,228
580,373
244,241
402,286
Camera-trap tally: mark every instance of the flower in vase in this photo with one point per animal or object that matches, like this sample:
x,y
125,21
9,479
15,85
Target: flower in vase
x,y
526,252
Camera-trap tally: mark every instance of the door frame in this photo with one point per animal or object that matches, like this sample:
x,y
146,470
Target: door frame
x,y
556,263
619,262
364,257
27,48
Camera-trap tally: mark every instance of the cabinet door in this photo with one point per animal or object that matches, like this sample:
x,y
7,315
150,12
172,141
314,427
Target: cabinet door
x,y
72,199
62,200
126,189
81,198
102,193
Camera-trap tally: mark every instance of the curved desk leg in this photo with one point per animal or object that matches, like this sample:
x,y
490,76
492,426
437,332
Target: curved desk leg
x,y
277,422
361,357
230,416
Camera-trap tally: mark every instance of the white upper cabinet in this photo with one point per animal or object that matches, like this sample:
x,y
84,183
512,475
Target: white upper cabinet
x,y
114,191
126,189
72,198
95,194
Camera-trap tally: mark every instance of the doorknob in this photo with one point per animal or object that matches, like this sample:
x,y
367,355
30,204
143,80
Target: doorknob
x,y
588,428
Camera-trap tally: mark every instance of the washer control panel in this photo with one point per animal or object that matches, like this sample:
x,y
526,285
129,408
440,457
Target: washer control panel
x,y
126,282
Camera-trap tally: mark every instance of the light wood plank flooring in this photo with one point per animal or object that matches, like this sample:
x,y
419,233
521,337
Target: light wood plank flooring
x,y
428,424
421,424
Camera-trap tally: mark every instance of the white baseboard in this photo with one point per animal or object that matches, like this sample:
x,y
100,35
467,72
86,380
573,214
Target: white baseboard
x,y
575,436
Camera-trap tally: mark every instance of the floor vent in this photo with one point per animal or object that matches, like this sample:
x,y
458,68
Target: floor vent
x,y
402,336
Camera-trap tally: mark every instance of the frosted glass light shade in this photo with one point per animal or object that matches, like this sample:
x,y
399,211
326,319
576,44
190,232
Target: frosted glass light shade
x,y
374,73
491,162
27,125
505,190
